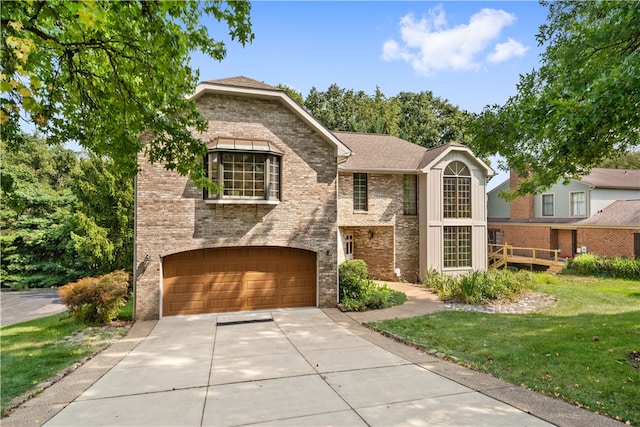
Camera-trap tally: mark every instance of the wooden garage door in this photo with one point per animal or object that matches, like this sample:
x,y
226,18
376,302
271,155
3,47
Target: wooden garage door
x,y
236,279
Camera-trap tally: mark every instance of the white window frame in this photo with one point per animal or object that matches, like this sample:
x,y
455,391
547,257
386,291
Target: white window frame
x,y
358,186
583,202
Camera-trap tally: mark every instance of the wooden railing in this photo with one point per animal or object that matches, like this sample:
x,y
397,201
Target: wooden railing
x,y
500,255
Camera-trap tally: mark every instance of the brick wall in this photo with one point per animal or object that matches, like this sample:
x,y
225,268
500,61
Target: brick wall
x,y
172,217
395,241
527,236
607,242
523,207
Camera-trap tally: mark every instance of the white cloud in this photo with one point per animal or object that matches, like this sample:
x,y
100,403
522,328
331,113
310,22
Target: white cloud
x,y
430,44
507,50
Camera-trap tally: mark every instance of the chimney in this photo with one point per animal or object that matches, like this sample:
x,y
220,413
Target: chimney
x,y
521,208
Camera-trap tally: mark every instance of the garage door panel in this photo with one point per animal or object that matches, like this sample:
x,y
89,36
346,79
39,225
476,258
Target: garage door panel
x,y
237,279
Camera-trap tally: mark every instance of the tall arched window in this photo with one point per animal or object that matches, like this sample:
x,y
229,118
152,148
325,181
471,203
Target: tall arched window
x,y
457,191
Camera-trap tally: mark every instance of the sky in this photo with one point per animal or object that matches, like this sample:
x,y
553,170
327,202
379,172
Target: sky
x,y
470,53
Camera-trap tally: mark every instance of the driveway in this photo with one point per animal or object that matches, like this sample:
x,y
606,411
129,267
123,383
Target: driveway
x,y
20,306
292,367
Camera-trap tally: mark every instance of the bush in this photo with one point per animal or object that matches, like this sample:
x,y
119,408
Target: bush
x,y
352,276
478,287
359,293
590,265
96,300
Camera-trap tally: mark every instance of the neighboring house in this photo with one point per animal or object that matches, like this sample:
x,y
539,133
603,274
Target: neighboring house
x,y
296,201
599,214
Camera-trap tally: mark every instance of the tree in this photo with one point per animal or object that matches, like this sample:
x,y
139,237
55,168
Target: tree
x,y
429,121
581,106
64,215
104,73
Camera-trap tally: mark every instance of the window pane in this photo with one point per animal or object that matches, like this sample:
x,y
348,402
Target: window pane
x,y
360,191
457,246
456,188
410,195
547,204
578,205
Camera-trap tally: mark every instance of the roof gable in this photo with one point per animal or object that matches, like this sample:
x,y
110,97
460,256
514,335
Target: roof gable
x,y
435,154
246,87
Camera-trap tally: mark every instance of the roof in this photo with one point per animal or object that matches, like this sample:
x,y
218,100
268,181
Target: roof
x,y
618,213
246,87
387,153
241,81
381,152
613,178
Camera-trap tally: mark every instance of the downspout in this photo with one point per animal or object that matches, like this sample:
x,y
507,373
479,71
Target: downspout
x,y
135,243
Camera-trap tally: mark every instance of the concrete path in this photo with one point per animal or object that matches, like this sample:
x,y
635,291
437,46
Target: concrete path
x,y
20,306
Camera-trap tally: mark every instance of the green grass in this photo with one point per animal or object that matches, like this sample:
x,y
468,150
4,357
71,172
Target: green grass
x,y
32,352
576,350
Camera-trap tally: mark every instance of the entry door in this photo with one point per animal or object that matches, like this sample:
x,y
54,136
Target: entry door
x,y
636,245
348,246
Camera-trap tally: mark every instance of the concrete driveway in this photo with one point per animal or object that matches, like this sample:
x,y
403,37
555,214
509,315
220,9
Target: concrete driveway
x,y
292,368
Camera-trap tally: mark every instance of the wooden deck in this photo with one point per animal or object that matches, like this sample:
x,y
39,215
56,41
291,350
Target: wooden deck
x,y
502,255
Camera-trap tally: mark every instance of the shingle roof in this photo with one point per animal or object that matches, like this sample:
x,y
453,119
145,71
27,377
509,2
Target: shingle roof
x,y
373,151
241,81
613,178
618,213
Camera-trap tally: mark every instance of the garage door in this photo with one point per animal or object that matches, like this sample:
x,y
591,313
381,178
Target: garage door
x,y
237,279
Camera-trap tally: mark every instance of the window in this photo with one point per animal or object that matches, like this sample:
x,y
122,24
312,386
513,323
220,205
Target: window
x,y
457,246
243,175
578,204
457,191
410,194
547,205
360,192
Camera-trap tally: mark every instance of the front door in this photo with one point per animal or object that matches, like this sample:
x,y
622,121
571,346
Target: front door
x,y
348,246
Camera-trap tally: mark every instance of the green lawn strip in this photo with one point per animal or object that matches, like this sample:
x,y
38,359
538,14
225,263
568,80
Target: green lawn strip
x,y
34,351
576,350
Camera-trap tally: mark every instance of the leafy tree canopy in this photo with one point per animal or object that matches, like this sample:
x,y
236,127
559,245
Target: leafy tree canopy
x,y
102,73
581,106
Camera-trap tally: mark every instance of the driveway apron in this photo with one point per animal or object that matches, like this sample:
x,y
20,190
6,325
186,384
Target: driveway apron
x,y
287,368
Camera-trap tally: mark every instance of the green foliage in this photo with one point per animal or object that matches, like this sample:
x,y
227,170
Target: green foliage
x,y
589,264
359,293
421,118
477,287
105,73
66,216
96,300
581,106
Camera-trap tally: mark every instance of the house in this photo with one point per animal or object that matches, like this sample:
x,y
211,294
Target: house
x,y
297,200
599,214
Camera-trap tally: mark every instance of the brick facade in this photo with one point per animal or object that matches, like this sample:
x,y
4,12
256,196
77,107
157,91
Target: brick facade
x,y
384,237
171,215
607,242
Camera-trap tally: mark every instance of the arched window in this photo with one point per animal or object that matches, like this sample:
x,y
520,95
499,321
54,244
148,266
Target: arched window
x,y
457,191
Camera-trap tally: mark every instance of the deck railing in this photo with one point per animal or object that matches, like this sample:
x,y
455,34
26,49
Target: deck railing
x,y
500,255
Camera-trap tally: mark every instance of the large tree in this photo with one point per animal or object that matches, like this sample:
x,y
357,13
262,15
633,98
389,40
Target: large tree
x,y
103,73
581,105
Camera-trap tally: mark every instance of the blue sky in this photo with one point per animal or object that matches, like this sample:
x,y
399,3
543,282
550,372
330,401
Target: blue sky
x,y
470,53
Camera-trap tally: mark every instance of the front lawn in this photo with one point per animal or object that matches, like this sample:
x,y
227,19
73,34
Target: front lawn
x,y
584,349
34,351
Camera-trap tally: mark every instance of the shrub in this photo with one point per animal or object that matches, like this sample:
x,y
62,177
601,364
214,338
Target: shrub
x,y
96,300
359,293
589,264
352,277
479,286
